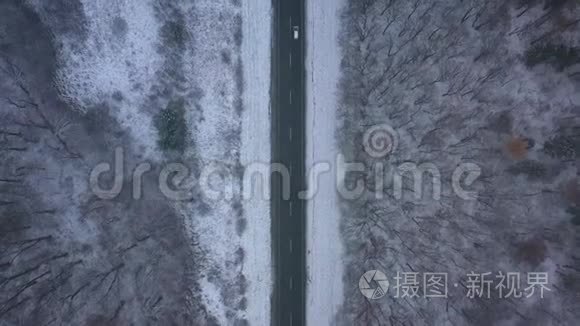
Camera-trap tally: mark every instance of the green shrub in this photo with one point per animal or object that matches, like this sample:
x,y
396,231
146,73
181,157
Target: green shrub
x,y
558,56
575,212
531,169
171,126
554,4
174,34
562,147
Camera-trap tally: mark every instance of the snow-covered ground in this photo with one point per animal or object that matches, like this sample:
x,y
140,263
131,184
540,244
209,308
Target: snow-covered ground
x,y
229,137
217,226
324,256
222,70
256,18
122,59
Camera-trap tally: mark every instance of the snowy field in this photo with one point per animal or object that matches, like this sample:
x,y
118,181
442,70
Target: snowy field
x,y
324,256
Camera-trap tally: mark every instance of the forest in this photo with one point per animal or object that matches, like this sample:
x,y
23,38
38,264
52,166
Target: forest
x,y
490,83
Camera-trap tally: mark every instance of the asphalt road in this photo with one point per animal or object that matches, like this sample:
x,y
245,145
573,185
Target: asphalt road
x,y
288,148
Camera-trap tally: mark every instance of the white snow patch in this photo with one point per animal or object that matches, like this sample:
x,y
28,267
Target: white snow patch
x,y
212,300
106,63
91,72
217,80
324,242
213,32
256,241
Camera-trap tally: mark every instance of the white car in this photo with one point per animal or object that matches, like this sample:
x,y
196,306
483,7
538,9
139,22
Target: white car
x,y
295,32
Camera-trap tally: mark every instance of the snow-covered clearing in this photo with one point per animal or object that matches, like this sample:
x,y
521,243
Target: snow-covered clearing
x,y
324,256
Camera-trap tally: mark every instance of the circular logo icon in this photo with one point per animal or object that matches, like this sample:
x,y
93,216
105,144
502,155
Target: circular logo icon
x,y
373,290
380,140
